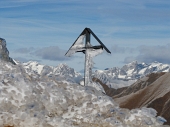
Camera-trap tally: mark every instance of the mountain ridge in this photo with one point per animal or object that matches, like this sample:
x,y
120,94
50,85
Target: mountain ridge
x,y
121,77
113,77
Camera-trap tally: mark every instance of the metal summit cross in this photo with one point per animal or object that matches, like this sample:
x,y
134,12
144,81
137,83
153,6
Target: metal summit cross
x,y
90,51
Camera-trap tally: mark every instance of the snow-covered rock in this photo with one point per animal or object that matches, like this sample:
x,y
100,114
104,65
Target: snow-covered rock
x,y
31,100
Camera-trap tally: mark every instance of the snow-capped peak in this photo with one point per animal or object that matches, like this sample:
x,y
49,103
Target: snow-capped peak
x,y
60,72
63,69
34,66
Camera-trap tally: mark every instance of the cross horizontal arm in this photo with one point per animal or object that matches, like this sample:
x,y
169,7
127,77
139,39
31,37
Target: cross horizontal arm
x,y
98,40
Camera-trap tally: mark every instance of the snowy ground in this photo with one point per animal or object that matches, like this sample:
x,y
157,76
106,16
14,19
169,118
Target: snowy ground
x,y
33,100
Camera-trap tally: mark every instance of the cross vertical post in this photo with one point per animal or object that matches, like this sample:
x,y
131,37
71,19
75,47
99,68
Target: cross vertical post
x,y
86,67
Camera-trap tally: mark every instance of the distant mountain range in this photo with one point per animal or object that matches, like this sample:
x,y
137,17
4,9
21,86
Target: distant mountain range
x,y
120,77
62,72
113,77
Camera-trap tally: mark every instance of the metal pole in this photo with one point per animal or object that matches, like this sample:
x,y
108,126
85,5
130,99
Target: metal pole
x,y
86,68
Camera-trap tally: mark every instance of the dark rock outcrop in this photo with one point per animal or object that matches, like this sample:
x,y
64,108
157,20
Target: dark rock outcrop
x,y
4,53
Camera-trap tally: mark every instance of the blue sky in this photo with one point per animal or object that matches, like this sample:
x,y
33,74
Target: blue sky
x,y
43,30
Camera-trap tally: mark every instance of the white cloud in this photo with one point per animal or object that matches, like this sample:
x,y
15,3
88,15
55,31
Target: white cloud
x,y
129,59
148,54
121,49
25,50
154,53
53,53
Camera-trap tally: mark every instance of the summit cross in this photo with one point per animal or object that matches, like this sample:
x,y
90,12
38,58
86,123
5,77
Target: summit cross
x,y
90,51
